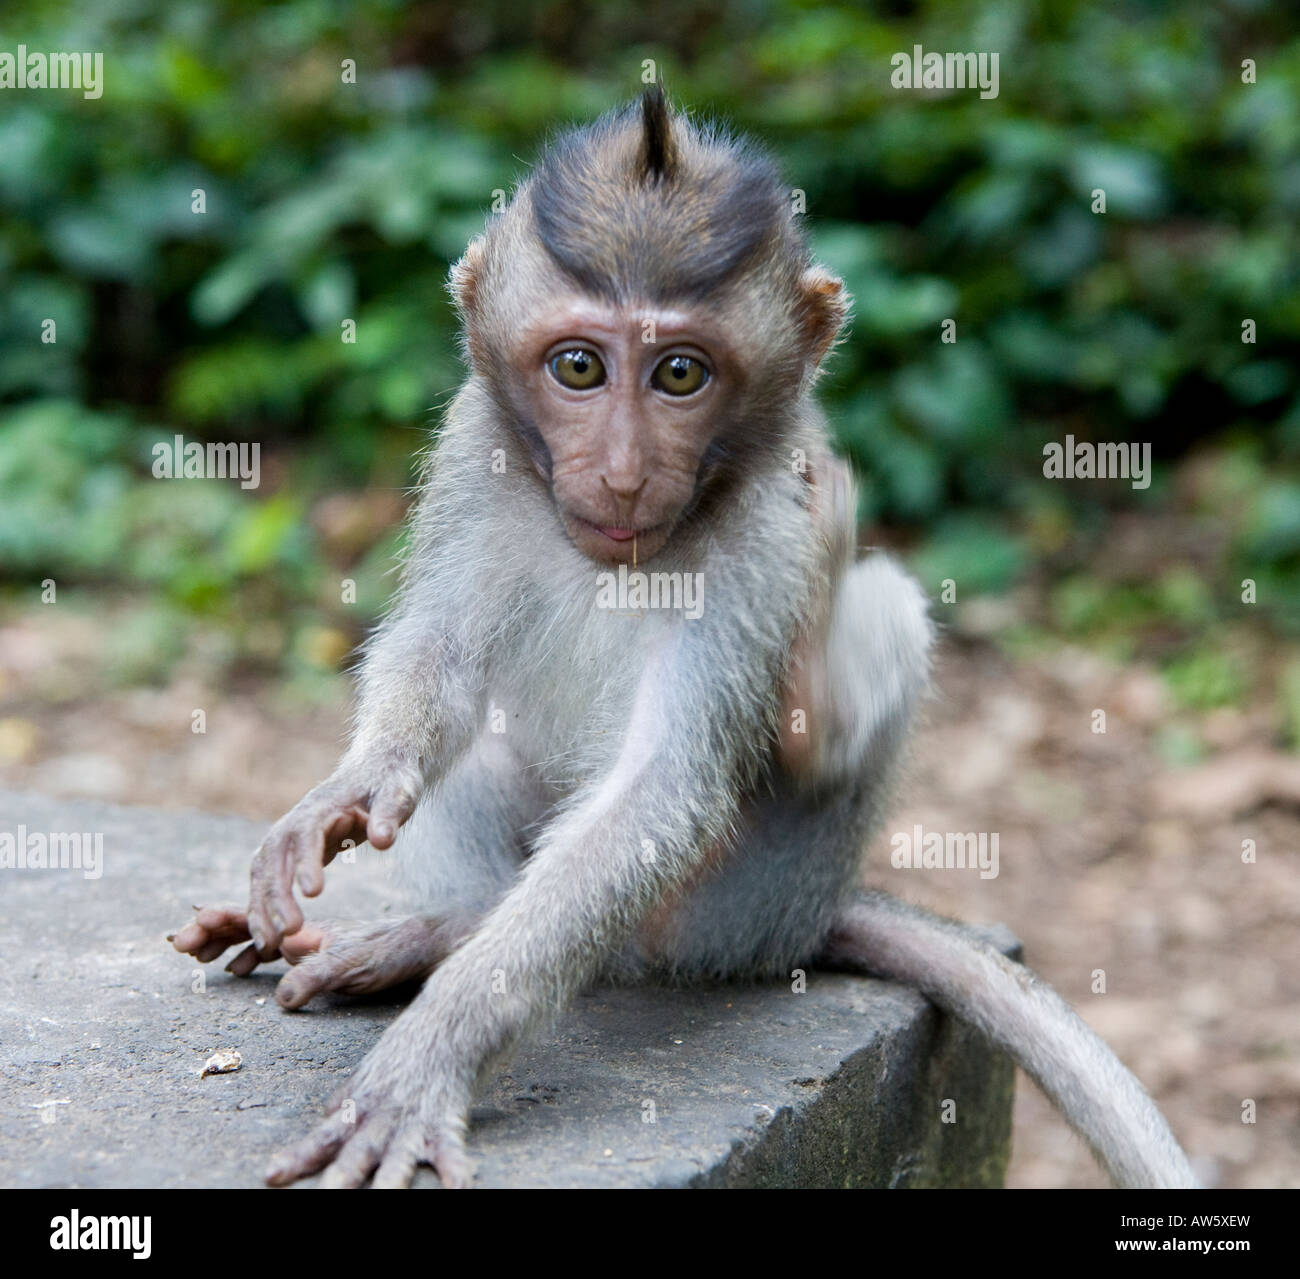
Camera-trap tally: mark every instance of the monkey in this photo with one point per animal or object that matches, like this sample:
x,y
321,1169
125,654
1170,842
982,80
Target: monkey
x,y
576,793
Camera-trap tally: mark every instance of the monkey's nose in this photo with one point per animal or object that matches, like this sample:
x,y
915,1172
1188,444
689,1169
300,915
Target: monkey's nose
x,y
625,489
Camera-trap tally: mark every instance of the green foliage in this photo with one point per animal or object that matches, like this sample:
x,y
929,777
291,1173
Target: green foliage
x,y
75,509
1087,605
971,550
1205,679
328,202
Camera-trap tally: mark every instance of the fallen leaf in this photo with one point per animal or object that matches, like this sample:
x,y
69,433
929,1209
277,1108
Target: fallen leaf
x,y
221,1063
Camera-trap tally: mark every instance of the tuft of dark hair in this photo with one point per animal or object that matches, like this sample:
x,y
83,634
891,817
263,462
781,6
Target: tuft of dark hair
x,y
658,154
644,202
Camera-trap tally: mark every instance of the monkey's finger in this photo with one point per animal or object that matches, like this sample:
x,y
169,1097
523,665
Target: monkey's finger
x,y
285,913
333,827
398,1167
228,920
389,809
244,962
360,1155
190,938
211,924
259,903
310,1154
309,939
272,912
310,878
211,950
446,1152
314,974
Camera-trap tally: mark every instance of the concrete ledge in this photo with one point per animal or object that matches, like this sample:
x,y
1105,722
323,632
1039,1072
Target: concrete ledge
x,y
842,1085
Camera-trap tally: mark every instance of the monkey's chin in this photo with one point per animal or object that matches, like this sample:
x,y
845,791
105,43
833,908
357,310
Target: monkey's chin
x,y
615,546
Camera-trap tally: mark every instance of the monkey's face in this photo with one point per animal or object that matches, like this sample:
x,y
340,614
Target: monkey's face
x,y
645,315
624,402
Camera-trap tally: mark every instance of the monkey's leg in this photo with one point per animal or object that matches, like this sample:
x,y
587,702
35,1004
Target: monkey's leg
x,y
862,662
878,934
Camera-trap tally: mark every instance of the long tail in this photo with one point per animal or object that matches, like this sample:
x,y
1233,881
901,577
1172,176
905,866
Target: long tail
x,y
1095,1092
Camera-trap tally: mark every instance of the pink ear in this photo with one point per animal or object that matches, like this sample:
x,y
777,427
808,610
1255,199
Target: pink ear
x,y
465,277
826,307
464,284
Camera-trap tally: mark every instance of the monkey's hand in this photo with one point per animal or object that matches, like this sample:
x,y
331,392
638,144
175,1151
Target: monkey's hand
x,y
407,1104
341,812
807,700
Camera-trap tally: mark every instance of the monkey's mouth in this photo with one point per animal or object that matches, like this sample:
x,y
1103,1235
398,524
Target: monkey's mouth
x,y
617,534
608,542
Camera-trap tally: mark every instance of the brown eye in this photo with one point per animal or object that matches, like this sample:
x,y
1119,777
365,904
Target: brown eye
x,y
679,375
577,368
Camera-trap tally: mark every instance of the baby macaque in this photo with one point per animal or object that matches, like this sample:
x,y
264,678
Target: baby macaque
x,y
581,793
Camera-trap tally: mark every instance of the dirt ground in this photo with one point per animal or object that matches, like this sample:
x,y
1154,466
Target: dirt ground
x,y
1108,859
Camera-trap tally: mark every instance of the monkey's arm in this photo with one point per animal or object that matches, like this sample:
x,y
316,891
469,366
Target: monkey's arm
x,y
415,718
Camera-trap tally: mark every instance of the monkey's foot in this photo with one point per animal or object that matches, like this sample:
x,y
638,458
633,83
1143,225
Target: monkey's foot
x,y
348,957
407,1105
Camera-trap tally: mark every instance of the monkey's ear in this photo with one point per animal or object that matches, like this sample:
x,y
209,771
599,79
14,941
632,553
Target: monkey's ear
x,y
825,308
465,278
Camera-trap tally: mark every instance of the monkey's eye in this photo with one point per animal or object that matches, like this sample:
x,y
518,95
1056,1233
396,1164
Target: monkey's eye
x,y
679,375
577,368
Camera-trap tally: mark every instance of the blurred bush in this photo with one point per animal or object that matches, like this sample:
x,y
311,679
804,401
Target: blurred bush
x,y
328,201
